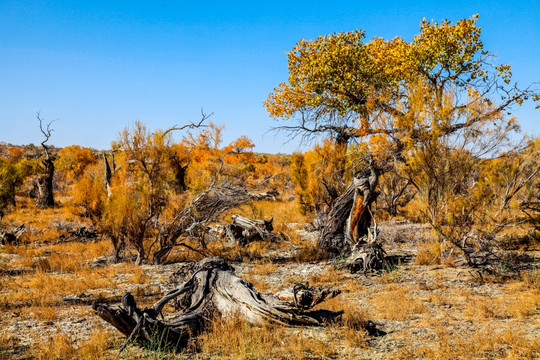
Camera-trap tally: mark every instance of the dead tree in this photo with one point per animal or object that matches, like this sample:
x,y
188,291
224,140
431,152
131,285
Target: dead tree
x,y
271,195
44,182
242,231
349,219
206,208
108,175
12,236
211,290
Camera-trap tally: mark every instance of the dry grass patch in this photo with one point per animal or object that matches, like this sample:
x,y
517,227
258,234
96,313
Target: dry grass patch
x,y
235,338
396,303
485,343
61,346
263,268
44,289
8,342
282,211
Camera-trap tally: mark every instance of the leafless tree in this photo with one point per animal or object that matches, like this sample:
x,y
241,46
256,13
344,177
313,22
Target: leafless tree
x,y
44,181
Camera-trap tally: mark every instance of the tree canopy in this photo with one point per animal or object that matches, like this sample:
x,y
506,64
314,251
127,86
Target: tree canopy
x,y
348,88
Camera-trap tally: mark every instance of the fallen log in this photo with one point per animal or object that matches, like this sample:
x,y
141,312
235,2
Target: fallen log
x,y
12,236
212,290
272,195
243,231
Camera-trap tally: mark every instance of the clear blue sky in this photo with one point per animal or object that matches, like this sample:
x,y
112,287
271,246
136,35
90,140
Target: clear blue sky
x,y
99,66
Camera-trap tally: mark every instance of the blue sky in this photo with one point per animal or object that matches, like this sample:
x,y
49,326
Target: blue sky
x,y
99,66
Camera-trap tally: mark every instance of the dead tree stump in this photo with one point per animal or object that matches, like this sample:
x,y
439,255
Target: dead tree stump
x,y
349,219
212,290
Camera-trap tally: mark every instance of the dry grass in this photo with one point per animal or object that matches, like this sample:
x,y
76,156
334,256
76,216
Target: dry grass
x,y
506,342
61,346
428,311
282,211
264,268
397,303
486,308
236,339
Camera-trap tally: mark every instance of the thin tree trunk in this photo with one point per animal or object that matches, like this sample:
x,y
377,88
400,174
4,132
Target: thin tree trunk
x,y
45,185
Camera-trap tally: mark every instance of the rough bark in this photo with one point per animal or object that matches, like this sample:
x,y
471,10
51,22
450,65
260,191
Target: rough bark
x,y
242,231
44,182
366,258
108,175
349,219
212,290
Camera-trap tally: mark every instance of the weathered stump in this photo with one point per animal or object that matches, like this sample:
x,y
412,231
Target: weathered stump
x,y
212,290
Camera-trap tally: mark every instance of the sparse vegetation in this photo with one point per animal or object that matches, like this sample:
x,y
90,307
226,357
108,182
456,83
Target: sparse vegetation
x,y
435,180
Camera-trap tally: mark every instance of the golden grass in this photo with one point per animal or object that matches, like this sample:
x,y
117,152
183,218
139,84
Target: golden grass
x,y
42,289
235,338
397,303
61,346
8,342
518,305
487,342
429,254
281,211
264,268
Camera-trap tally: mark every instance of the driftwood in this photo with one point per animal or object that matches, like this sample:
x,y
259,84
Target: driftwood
x,y
211,290
242,231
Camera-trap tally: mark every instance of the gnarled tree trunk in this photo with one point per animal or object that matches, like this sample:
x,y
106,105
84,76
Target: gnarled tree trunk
x,y
212,290
349,219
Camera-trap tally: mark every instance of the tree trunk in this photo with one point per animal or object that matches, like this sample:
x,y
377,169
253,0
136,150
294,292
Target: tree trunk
x,y
45,185
349,219
212,290
108,175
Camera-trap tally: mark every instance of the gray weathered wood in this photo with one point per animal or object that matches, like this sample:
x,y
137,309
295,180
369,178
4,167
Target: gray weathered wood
x,y
212,289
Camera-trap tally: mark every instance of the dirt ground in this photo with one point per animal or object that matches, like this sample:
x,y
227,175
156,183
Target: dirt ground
x,y
420,311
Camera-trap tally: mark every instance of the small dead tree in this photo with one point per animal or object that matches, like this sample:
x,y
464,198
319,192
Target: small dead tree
x,y
209,290
44,182
206,208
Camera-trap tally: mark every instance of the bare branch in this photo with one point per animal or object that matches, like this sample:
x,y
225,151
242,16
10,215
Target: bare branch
x,y
191,125
47,132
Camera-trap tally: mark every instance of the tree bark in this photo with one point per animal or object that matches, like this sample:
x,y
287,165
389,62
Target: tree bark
x,y
349,219
242,231
45,184
212,290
